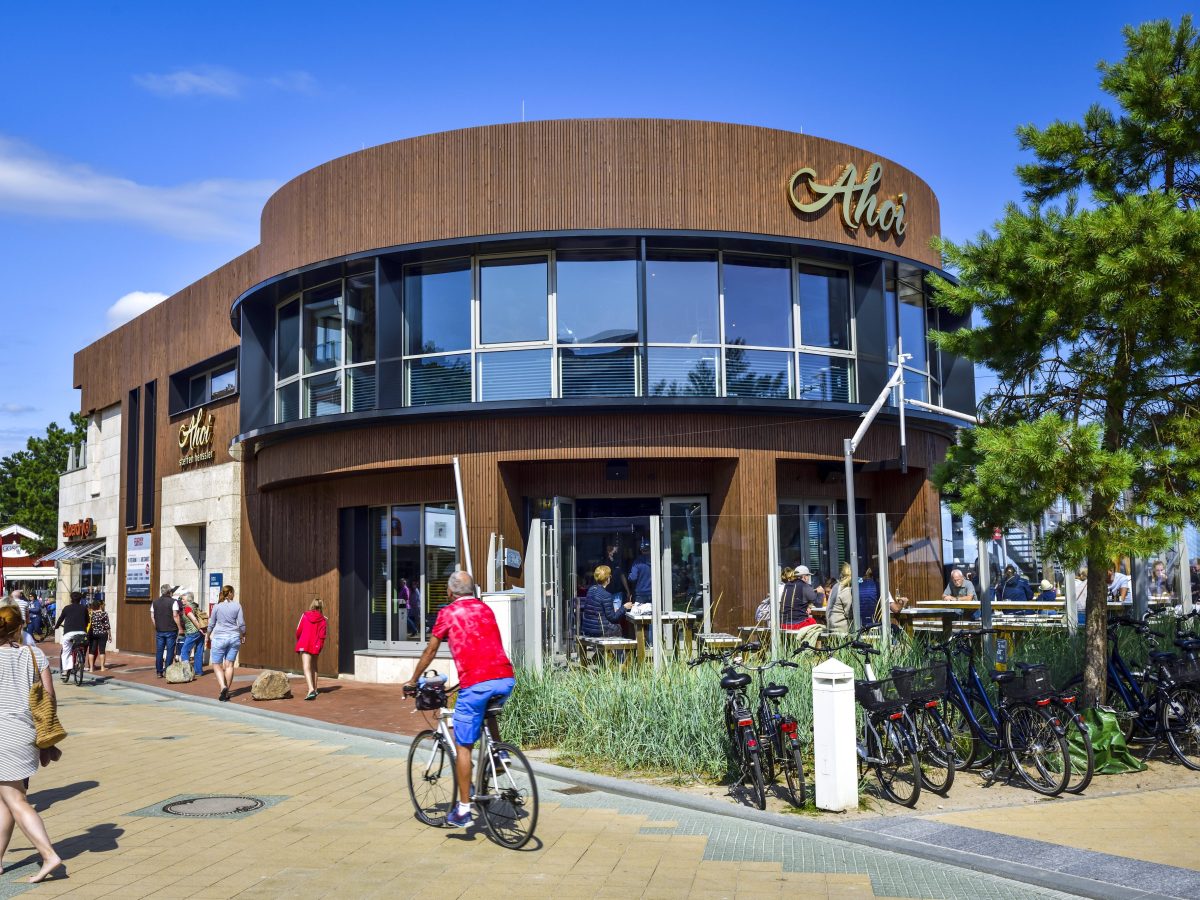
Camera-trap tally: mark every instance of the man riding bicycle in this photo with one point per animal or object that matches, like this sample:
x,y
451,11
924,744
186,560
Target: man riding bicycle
x,y
484,674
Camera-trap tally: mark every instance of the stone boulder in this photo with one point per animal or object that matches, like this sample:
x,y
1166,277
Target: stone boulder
x,y
271,686
180,673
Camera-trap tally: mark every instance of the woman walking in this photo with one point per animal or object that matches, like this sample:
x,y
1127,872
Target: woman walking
x,y
99,630
310,638
226,634
19,756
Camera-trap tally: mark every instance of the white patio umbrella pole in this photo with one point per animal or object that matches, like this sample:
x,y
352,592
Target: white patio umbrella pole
x,y
462,517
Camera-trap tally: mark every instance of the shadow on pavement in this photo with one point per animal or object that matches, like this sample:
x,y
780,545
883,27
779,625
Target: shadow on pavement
x,y
97,839
42,800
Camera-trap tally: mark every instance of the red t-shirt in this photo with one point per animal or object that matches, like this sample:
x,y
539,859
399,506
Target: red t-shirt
x,y
470,625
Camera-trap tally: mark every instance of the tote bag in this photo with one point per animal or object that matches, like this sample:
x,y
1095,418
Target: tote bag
x,y
44,711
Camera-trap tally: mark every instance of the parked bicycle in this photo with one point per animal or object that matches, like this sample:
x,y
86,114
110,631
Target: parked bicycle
x,y
777,733
1020,728
925,688
1160,704
739,721
505,789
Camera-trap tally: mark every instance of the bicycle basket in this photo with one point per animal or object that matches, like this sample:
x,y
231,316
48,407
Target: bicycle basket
x,y
1030,684
1185,671
431,696
876,695
928,684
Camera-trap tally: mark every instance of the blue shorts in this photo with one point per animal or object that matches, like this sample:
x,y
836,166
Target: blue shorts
x,y
472,703
225,648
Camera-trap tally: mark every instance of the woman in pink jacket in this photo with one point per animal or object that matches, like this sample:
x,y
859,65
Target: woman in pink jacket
x,y
310,638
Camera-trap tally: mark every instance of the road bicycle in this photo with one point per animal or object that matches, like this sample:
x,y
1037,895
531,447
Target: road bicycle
x,y
1160,704
78,660
777,733
1021,728
739,721
505,789
887,741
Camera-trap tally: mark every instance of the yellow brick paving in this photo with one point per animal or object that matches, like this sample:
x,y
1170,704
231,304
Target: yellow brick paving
x,y
1158,826
345,830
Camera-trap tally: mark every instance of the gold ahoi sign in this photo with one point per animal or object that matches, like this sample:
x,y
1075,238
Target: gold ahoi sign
x,y
196,438
859,205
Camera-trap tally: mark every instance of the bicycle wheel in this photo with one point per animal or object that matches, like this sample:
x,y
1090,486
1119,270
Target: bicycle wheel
x,y
1079,742
962,737
78,659
935,743
752,773
432,783
898,768
510,809
1181,719
1038,751
793,772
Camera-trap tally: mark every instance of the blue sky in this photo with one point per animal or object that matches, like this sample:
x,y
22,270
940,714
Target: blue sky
x,y
138,141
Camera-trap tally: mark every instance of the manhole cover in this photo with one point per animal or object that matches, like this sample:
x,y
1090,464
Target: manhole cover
x,y
208,807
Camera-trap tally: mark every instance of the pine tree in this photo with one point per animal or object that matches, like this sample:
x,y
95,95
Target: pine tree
x,y
1091,320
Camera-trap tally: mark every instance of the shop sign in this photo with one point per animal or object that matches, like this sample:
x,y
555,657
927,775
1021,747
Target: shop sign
x,y
856,199
196,439
137,565
82,529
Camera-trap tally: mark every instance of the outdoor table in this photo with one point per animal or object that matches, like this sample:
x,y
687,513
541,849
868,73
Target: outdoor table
x,y
681,627
608,648
907,616
760,633
715,640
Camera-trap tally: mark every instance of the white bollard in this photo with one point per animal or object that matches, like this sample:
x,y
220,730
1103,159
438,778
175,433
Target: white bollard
x,y
835,752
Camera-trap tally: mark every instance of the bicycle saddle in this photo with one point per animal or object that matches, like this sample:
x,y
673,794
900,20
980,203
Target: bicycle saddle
x,y
1025,667
1162,656
494,708
775,691
902,670
1188,644
1003,677
734,680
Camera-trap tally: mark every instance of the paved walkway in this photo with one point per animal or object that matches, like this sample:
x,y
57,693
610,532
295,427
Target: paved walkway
x,y
336,822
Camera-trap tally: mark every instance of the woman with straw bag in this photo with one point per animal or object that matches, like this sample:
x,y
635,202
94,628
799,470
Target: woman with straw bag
x,y
23,670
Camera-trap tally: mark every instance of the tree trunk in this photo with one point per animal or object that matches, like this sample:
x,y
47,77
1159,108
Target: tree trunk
x,y
1095,631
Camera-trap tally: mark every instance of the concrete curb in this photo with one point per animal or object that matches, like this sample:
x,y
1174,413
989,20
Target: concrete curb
x,y
963,859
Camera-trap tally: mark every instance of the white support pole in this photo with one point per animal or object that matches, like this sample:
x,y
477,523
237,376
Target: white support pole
x,y
661,574
884,579
852,532
1071,607
535,598
1185,573
900,357
984,564
491,563
773,573
462,518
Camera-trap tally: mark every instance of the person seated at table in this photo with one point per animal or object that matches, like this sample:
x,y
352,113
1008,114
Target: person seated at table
x,y
958,588
1158,582
1014,586
798,596
1047,592
598,618
839,616
1118,586
868,597
1081,594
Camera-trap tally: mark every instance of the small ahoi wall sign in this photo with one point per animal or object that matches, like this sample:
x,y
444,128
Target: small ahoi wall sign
x,y
196,439
855,198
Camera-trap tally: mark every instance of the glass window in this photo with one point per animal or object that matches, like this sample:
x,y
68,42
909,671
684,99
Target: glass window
x,y
437,306
893,314
360,392
439,379
512,300
198,390
377,623
597,298
824,308
323,327
681,372
405,537
323,394
913,333
224,381
287,341
287,402
360,318
598,372
441,557
514,375
825,378
681,298
757,373
758,300
916,385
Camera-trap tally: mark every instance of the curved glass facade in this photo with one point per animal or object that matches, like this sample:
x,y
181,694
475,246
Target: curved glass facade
x,y
632,321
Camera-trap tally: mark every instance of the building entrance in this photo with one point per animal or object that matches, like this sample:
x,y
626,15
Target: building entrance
x,y
656,547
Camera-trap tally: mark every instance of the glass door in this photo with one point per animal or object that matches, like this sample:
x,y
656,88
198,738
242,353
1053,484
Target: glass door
x,y
565,625
807,537
685,536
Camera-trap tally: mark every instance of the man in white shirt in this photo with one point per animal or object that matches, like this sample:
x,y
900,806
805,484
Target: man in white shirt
x,y
1118,587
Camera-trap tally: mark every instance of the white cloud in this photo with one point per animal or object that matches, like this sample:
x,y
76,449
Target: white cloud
x,y
217,81
15,409
131,306
215,209
206,81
